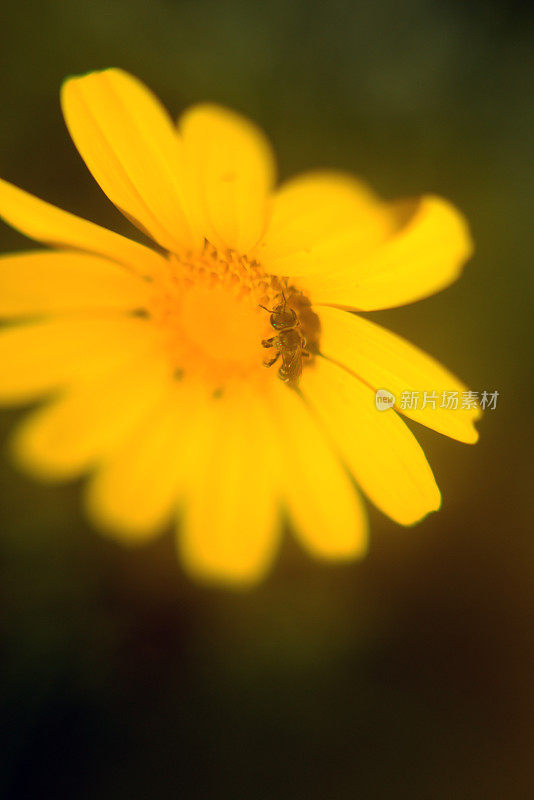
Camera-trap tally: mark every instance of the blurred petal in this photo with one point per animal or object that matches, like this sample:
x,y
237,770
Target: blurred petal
x,y
386,361
129,143
232,171
68,436
321,220
382,454
425,255
325,507
133,494
48,224
230,528
54,281
42,357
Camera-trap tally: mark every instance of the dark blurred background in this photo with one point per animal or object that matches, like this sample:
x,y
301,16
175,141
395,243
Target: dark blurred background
x,y
411,674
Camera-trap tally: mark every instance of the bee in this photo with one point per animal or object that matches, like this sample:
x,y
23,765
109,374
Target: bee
x,y
290,344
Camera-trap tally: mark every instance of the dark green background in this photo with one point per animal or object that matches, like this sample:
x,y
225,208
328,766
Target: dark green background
x,y
410,675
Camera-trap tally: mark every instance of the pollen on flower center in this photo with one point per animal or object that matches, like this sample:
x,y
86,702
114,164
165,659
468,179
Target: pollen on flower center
x,y
209,308
221,326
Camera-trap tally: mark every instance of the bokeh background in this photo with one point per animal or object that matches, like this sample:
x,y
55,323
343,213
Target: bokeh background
x,y
411,674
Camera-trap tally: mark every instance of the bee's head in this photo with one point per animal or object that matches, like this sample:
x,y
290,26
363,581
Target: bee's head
x,y
283,317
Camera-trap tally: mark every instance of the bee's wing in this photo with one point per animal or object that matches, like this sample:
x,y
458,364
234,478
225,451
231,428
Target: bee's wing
x,y
291,368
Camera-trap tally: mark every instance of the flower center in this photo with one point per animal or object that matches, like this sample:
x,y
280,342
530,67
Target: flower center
x,y
209,310
222,327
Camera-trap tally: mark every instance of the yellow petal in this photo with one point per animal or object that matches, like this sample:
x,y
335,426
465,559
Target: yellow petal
x,y
232,171
382,454
320,221
42,357
425,255
230,530
45,223
70,435
133,494
386,361
54,281
129,143
325,507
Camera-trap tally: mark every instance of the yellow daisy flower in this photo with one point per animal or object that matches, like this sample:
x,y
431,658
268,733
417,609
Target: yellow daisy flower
x,y
152,359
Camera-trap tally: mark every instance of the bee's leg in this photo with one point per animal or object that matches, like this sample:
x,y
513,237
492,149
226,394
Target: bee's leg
x,y
270,361
272,342
306,354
